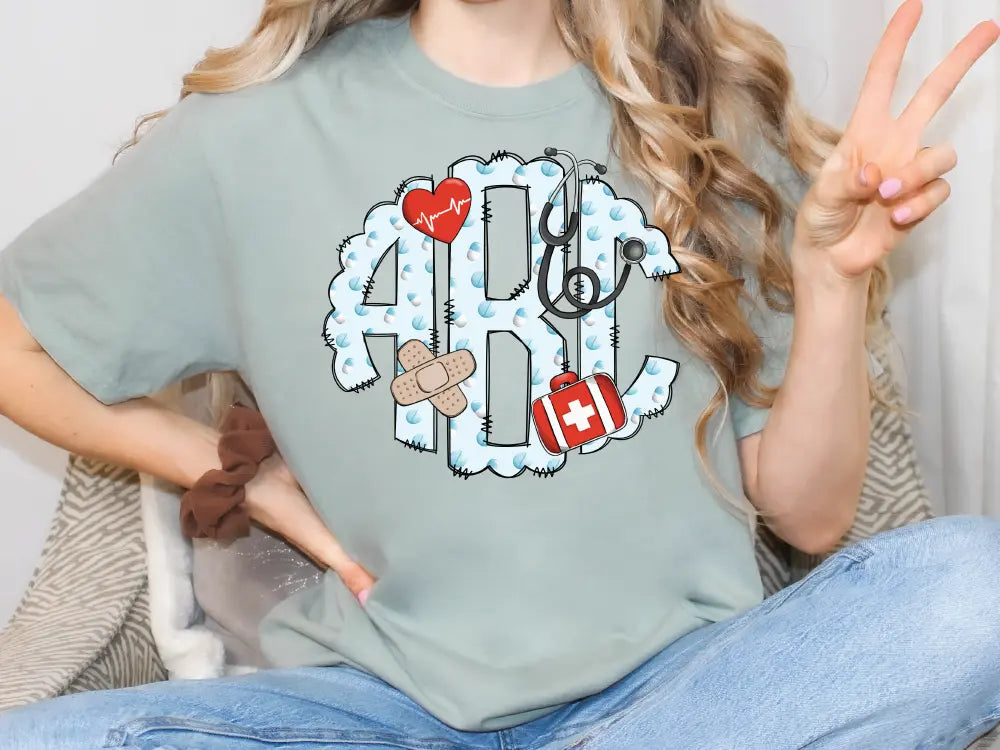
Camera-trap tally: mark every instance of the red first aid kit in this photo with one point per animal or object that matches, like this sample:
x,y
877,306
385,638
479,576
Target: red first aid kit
x,y
577,411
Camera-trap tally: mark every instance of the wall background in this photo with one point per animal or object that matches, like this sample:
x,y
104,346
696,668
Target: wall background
x,y
78,74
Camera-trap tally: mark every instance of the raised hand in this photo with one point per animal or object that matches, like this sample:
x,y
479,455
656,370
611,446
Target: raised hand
x,y
879,182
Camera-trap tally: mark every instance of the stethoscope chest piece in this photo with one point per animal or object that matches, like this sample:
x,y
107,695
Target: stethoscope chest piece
x,y
633,251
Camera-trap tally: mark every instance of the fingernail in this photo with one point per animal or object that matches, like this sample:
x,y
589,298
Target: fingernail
x,y
863,177
902,214
363,596
890,188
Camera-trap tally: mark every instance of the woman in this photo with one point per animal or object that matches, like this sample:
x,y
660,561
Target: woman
x,y
523,556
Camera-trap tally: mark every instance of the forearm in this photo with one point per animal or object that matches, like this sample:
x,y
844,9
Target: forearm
x,y
141,433
146,435
813,450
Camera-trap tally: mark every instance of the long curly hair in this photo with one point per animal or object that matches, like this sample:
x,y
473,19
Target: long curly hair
x,y
687,80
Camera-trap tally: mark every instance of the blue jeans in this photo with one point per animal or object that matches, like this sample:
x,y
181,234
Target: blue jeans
x,y
893,642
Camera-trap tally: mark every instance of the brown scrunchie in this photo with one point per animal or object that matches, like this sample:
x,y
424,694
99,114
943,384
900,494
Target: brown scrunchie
x,y
213,507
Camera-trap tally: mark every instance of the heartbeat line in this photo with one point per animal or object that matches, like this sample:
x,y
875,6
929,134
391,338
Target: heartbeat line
x,y
454,207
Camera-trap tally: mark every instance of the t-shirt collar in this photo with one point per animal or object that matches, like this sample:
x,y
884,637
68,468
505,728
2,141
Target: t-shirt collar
x,y
498,101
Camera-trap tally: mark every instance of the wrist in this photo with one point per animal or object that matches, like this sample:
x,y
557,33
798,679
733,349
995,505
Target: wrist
x,y
218,504
184,450
822,291
813,270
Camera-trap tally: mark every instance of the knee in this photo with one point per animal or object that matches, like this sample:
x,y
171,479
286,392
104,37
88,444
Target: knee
x,y
969,550
962,528
949,568
967,543
971,544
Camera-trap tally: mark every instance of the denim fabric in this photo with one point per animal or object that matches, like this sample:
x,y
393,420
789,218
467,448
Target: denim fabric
x,y
893,642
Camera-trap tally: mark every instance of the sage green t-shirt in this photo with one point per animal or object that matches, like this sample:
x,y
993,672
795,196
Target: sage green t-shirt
x,y
365,241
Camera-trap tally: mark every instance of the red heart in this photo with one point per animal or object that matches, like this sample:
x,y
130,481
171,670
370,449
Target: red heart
x,y
439,214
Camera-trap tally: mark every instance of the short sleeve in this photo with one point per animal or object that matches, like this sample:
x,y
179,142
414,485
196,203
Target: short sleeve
x,y
773,327
125,284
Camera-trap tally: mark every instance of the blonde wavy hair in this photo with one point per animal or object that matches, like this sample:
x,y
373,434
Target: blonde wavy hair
x,y
686,79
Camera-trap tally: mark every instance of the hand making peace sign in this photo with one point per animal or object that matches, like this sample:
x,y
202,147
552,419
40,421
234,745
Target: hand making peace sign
x,y
879,182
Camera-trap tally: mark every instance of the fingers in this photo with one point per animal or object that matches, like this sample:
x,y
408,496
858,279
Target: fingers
x,y
868,179
922,204
939,85
845,179
883,70
277,503
356,578
927,166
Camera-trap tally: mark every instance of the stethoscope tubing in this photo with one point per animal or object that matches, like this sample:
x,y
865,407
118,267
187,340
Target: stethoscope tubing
x,y
572,276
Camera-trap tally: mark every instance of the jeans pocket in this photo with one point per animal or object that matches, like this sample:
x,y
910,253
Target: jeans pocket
x,y
155,732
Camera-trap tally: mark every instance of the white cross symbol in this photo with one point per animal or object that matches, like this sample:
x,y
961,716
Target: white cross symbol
x,y
579,416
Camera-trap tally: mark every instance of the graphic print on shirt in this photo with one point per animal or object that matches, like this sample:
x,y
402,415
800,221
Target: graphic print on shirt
x,y
582,234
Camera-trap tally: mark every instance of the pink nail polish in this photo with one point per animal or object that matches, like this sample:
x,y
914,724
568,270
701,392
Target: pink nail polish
x,y
889,188
363,596
902,214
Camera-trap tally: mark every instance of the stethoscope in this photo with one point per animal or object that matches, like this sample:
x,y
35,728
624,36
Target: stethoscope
x,y
632,250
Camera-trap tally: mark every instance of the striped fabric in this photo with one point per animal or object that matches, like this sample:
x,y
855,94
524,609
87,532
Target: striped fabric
x,y
83,623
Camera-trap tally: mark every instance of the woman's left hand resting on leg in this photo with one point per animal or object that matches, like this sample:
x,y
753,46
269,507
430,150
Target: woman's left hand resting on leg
x,y
805,470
